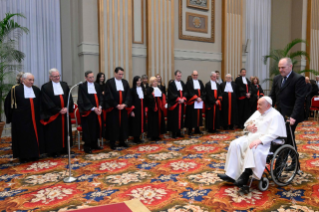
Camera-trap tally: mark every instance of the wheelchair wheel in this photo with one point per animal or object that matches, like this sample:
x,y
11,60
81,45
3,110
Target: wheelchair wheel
x,y
283,167
263,184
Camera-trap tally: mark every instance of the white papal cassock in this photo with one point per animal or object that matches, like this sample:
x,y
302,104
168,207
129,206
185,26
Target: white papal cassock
x,y
270,126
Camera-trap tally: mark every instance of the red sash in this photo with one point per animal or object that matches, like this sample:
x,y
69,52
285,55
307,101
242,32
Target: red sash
x,y
159,106
229,108
98,117
34,122
142,116
179,108
219,105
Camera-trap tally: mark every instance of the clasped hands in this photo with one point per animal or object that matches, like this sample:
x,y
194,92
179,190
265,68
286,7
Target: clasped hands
x,y
181,101
121,106
64,110
98,110
252,128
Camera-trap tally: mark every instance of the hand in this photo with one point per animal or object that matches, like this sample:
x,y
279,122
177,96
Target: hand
x,y
252,128
292,121
199,99
255,143
64,110
102,92
97,111
133,114
216,103
248,95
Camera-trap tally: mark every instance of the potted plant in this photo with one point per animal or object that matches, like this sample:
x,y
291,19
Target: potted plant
x,y
277,54
10,56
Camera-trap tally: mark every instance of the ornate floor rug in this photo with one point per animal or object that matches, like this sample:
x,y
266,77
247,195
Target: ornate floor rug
x,y
166,176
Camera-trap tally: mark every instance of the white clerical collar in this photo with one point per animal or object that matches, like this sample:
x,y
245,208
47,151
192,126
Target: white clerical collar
x,y
196,84
267,111
178,85
119,85
139,92
228,87
28,92
244,80
91,88
213,85
57,88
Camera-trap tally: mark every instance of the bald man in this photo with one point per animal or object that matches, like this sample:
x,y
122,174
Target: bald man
x,y
195,95
308,97
22,109
288,93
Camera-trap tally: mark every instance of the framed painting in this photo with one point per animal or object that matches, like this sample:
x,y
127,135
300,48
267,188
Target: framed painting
x,y
196,22
199,4
196,25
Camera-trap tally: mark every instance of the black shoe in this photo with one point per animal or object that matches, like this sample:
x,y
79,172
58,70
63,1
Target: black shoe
x,y
97,148
190,132
226,178
123,144
180,135
23,160
243,179
174,135
112,146
88,151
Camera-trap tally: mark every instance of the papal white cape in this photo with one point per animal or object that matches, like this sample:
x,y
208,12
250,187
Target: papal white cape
x,y
270,126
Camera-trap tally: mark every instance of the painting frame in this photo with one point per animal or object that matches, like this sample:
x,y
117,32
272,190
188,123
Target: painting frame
x,y
194,29
211,39
197,6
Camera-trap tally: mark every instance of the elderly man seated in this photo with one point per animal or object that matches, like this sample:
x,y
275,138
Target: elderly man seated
x,y
247,154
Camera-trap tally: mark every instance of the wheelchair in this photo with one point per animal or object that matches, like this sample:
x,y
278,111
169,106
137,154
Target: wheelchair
x,y
282,165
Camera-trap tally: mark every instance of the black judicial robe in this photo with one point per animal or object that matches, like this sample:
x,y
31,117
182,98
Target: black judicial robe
x,y
24,116
92,124
256,93
144,87
162,88
138,122
117,120
229,105
243,101
55,129
194,116
156,121
175,110
212,116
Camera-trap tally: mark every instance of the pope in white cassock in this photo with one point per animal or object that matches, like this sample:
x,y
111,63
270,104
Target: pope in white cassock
x,y
247,154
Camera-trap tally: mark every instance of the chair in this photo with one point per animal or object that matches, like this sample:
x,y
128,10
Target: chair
x,y
72,116
78,125
315,106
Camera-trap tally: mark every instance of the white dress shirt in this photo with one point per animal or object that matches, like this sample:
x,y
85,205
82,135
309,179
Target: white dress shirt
x,y
28,92
57,88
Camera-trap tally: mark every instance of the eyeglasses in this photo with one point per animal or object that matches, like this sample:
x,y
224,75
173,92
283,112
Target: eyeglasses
x,y
57,76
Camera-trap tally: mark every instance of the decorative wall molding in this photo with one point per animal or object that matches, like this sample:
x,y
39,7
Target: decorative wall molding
x,y
88,49
139,51
182,54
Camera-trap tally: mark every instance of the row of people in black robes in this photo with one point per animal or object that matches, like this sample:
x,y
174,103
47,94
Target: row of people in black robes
x,y
107,110
38,117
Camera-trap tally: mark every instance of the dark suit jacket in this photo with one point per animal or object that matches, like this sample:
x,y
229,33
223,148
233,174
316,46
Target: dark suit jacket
x,y
290,98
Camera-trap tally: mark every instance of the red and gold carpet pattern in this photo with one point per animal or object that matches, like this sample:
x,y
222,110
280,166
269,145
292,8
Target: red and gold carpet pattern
x,y
166,176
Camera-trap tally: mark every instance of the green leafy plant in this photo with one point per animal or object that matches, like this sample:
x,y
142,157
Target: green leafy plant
x,y
10,57
277,54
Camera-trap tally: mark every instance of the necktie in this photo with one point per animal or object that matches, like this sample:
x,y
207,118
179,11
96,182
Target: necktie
x,y
284,81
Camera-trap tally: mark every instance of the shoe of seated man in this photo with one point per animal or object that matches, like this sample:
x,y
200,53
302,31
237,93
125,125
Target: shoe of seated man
x,y
244,177
226,178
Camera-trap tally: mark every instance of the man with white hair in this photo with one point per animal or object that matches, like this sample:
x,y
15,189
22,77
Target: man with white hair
x,y
212,103
247,154
229,93
22,109
54,95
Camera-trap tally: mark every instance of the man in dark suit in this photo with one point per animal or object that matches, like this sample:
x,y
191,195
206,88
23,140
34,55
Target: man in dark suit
x,y
288,93
90,107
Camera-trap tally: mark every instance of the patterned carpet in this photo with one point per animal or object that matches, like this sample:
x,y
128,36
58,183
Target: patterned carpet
x,y
167,176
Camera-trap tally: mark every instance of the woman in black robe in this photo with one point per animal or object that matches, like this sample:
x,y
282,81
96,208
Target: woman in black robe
x,y
256,93
137,116
156,107
160,83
